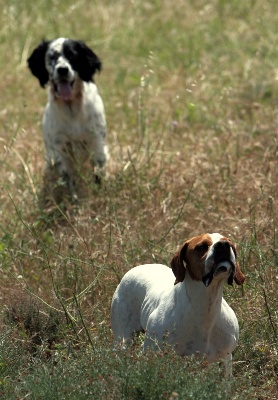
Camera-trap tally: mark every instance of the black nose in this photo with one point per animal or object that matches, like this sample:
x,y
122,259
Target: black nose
x,y
222,250
63,71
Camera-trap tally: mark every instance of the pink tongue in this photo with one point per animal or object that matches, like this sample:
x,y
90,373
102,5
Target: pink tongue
x,y
64,90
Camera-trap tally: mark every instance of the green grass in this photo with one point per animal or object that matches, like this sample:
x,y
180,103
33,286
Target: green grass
x,y
190,90
103,374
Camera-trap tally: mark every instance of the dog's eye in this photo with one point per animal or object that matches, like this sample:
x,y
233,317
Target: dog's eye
x,y
70,54
53,56
202,247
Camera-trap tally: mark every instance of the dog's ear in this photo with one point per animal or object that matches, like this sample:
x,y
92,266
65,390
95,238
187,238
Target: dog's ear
x,y
239,277
88,62
177,264
36,63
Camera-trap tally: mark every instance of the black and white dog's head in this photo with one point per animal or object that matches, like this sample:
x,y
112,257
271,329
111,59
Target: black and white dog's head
x,y
62,62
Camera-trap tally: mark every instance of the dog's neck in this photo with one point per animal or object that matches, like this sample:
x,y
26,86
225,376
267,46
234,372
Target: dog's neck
x,y
205,302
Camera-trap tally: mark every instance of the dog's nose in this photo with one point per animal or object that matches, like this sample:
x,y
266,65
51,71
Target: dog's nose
x,y
63,71
222,250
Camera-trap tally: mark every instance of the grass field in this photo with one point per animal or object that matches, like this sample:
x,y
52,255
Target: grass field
x,y
190,89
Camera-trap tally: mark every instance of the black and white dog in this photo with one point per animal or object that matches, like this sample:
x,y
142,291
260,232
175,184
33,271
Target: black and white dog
x,y
74,124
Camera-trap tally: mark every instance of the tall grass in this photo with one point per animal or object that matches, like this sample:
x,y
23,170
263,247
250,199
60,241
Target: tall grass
x,y
190,90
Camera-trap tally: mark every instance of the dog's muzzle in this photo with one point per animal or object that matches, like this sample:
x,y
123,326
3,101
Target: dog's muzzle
x,y
64,89
222,263
63,85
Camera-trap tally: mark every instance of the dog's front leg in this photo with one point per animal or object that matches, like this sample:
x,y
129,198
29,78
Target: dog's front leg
x,y
98,158
61,160
228,366
66,170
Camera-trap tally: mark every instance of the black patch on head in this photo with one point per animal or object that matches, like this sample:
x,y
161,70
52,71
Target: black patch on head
x,y
36,62
82,59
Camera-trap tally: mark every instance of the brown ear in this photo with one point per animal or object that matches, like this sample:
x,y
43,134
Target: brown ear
x,y
177,264
239,277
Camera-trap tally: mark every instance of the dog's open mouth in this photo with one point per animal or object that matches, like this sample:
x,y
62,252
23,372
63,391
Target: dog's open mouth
x,y
221,267
64,89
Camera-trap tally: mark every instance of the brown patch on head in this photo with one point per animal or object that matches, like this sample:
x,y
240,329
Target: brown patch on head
x,y
193,255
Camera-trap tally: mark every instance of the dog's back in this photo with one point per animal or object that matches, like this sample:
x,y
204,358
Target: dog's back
x,y
130,297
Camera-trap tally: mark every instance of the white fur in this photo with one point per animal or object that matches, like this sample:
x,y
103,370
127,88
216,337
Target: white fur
x,y
195,319
74,123
70,123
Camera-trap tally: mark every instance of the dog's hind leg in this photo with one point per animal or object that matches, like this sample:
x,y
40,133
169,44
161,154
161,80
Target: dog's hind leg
x,y
125,321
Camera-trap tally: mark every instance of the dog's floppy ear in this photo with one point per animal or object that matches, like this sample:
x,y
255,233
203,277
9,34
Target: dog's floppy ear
x,y
177,264
238,276
88,62
36,63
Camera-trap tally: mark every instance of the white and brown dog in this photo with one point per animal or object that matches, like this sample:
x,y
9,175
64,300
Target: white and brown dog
x,y
185,309
74,124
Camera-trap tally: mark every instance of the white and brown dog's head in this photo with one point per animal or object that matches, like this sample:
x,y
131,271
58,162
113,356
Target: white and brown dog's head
x,y
206,257
64,63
